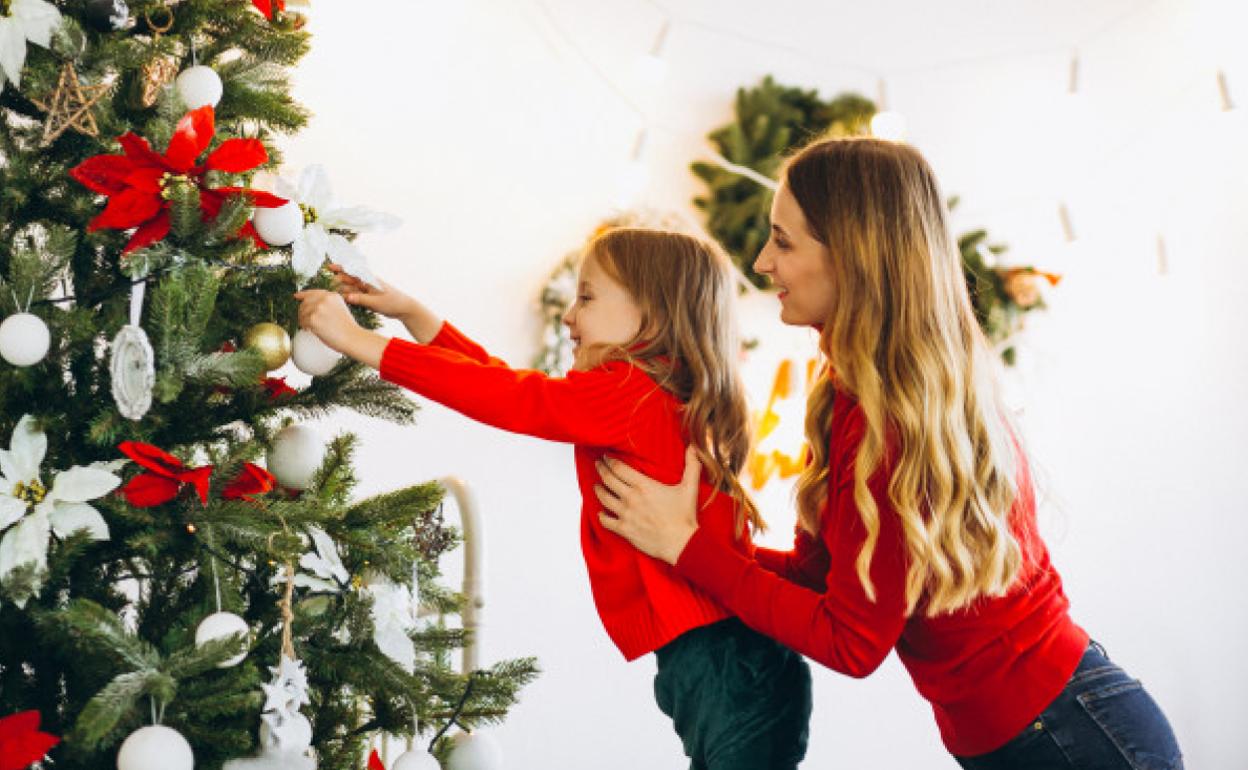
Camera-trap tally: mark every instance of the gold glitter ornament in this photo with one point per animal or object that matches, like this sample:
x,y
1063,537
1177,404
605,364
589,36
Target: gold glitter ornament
x,y
271,342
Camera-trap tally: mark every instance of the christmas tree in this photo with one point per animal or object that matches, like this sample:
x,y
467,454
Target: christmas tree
x,y
183,566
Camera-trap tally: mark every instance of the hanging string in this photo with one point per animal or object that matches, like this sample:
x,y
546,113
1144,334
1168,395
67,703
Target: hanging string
x,y
288,614
459,709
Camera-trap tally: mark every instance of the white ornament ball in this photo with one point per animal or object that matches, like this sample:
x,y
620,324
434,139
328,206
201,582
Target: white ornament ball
x,y
416,759
199,87
296,455
220,625
155,747
312,356
474,751
24,339
279,226
293,737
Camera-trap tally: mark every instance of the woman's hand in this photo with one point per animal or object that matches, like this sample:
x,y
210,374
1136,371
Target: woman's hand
x,y
656,518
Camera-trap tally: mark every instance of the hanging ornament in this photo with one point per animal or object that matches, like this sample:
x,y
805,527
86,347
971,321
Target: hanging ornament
x,y
69,106
107,15
21,742
155,747
22,21
279,226
324,225
312,356
220,625
139,182
474,751
271,342
416,759
30,512
199,86
295,456
133,364
160,69
24,339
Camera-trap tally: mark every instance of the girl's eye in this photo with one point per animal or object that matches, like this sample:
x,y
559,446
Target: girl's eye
x,y
582,297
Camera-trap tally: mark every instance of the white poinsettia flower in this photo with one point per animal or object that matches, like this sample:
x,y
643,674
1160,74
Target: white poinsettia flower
x,y
324,570
30,512
25,20
393,621
321,218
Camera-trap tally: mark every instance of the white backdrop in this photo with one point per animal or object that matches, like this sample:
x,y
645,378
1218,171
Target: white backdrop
x,y
500,129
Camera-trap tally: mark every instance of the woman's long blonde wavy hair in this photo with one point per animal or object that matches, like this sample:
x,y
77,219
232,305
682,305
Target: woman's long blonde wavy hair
x,y
903,340
687,343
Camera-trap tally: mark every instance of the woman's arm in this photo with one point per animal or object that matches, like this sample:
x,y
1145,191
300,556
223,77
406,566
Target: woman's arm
x,y
838,626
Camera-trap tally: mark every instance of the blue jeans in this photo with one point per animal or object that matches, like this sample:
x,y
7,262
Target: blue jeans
x,y
1102,720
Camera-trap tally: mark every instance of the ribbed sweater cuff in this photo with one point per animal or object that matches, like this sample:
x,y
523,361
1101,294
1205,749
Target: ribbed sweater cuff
x,y
712,565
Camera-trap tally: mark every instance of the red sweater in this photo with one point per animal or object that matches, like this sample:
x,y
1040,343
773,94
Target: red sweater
x,y
987,670
614,409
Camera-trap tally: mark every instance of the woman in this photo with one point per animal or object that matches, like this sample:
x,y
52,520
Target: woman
x,y
917,528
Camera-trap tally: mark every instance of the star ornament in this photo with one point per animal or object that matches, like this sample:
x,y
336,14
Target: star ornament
x,y
140,182
289,689
22,21
70,106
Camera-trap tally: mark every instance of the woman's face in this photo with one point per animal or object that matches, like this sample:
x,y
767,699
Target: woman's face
x,y
796,264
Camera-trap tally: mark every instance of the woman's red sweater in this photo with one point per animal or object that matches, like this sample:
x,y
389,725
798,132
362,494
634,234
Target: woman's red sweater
x,y
987,670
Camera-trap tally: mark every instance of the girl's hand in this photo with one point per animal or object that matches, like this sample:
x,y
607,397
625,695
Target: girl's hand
x,y
384,299
656,518
325,314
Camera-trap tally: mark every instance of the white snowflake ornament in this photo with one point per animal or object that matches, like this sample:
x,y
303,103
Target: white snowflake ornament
x,y
30,512
25,21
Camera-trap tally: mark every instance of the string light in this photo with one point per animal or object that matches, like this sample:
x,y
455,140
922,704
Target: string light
x,y
886,123
1072,82
652,66
1068,229
1224,92
1163,261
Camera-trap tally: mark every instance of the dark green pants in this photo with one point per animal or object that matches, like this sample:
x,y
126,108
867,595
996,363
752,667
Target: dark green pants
x,y
738,699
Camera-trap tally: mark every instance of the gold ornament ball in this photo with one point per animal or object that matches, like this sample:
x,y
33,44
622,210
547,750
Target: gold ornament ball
x,y
271,342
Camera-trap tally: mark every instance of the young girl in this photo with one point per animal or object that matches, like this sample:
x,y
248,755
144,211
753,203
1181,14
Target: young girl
x,y
917,515
655,346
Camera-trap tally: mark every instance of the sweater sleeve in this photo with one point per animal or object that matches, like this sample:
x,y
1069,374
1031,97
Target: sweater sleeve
x,y
594,408
451,338
806,564
839,626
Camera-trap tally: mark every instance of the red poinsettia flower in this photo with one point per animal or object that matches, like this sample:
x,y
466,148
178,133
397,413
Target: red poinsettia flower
x,y
266,7
252,480
374,761
277,388
164,478
21,743
137,182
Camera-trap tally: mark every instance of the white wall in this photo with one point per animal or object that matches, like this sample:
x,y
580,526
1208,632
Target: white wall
x,y
484,124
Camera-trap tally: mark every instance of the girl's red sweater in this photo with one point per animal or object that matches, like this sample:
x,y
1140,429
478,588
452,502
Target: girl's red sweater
x,y
987,670
615,409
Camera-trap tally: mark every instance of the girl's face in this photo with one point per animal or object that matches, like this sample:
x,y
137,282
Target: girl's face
x,y
604,313
797,264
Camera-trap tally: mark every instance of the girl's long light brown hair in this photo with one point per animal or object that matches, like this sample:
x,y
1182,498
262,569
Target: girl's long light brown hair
x,y
687,343
903,340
